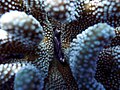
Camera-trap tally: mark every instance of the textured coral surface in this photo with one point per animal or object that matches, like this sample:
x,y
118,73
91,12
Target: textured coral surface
x,y
59,44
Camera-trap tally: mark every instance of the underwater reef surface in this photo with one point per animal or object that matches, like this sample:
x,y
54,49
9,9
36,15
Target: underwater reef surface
x,y
59,44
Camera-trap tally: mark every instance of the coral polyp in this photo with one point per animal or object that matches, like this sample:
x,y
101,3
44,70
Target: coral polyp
x,y
59,44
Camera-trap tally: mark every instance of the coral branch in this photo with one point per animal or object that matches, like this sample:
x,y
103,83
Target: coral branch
x,y
84,51
9,70
28,78
23,27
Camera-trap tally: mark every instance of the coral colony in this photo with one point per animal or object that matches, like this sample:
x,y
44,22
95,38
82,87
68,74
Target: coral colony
x,y
59,44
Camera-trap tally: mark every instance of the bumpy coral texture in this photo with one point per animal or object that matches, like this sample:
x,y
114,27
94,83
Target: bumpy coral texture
x,y
59,44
